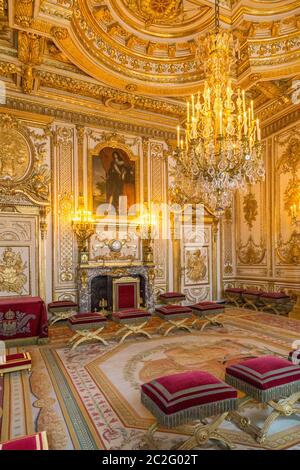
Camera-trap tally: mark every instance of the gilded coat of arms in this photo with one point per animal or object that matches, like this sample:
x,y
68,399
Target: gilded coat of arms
x,y
12,277
196,268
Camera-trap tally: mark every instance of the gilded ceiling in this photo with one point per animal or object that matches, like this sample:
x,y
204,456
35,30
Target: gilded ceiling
x,y
143,54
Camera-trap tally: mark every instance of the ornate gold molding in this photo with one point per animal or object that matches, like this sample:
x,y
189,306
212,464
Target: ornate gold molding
x,y
289,252
251,253
22,167
24,12
250,208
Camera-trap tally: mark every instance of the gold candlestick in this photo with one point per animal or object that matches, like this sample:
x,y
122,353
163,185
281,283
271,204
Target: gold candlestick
x,y
103,306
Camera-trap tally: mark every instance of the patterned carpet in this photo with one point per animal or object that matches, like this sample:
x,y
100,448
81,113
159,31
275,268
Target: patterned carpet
x,y
89,398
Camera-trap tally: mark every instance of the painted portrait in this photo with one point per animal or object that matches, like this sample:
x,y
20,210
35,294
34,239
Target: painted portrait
x,y
113,176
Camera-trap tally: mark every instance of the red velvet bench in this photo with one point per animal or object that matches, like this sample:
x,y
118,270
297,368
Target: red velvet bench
x,y
174,316
37,441
15,362
209,311
251,298
234,295
172,297
276,301
87,327
133,321
175,400
267,379
62,310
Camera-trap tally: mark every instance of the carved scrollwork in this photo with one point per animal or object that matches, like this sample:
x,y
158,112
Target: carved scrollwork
x,y
196,268
251,253
250,208
22,167
289,252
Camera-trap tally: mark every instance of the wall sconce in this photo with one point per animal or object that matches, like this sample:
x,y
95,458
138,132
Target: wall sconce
x,y
147,224
83,225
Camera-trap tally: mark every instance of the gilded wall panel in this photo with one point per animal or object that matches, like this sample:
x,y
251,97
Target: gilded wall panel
x,y
196,262
64,251
158,186
251,228
19,257
287,203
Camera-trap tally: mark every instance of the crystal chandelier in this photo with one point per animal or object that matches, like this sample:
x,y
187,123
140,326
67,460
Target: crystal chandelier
x,y
219,150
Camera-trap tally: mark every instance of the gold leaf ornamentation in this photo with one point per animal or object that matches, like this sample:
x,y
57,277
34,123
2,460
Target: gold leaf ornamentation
x,y
250,208
251,253
289,252
12,272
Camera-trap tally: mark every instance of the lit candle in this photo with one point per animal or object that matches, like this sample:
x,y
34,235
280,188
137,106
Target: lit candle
x,y
244,102
221,119
245,123
181,144
258,130
178,136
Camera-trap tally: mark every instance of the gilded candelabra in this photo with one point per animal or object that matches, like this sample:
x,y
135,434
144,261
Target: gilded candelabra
x,y
83,225
219,149
147,224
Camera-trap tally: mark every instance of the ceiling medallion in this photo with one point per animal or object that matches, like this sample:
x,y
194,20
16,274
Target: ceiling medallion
x,y
156,11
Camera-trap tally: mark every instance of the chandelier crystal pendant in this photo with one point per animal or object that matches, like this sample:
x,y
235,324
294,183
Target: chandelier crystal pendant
x,y
219,150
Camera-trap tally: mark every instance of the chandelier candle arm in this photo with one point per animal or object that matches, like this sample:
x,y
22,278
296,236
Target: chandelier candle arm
x,y
219,148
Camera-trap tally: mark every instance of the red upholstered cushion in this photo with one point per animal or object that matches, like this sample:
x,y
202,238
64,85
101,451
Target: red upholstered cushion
x,y
265,372
16,360
84,318
126,295
174,310
178,392
171,295
235,290
63,304
253,292
207,306
274,295
131,313
35,442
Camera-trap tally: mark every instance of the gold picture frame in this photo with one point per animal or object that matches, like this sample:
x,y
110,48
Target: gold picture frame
x,y
123,150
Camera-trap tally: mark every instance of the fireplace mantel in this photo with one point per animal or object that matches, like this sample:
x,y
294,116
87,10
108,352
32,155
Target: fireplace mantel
x,y
87,272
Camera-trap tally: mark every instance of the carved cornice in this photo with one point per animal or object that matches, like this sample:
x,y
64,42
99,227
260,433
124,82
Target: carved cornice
x,y
281,122
87,119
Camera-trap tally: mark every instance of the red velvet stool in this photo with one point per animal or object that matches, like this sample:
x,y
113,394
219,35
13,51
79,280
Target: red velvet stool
x,y
209,311
88,327
62,310
174,316
37,441
234,295
267,379
172,297
279,302
251,298
15,362
183,398
133,320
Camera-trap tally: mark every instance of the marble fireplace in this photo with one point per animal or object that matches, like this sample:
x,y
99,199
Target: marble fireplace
x,y
95,283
